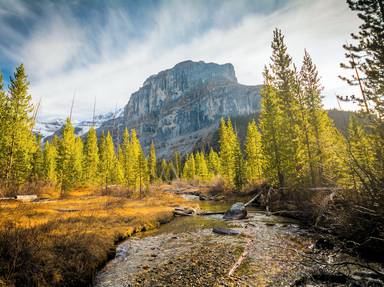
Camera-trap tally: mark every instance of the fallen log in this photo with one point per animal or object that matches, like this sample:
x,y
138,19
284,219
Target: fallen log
x,y
225,231
211,213
241,258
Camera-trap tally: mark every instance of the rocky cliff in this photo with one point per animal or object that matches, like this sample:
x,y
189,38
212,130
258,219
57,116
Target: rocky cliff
x,y
179,107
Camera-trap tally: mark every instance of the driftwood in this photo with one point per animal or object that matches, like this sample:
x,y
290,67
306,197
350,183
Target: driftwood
x,y
253,198
211,213
225,231
241,258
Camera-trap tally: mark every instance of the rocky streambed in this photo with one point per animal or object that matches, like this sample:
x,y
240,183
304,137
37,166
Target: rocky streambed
x,y
269,251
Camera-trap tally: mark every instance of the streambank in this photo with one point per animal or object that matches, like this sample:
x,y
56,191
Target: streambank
x,y
185,252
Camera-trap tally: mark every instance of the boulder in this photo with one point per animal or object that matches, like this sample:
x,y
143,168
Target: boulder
x,y
237,211
184,211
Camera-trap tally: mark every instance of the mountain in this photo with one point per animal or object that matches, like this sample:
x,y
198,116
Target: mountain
x,y
50,127
179,107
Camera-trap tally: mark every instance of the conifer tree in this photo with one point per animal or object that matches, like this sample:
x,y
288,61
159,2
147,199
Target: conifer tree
x,y
362,155
67,158
165,175
79,160
17,139
152,164
120,177
125,146
91,158
365,57
133,169
272,137
3,127
37,172
283,79
324,144
213,162
177,164
143,172
189,167
254,153
50,162
201,167
228,141
107,160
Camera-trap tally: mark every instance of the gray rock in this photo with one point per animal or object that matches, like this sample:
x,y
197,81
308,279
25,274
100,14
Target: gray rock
x,y
237,211
179,107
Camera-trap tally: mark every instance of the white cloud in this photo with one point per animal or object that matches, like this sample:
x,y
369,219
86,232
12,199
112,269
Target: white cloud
x,y
65,57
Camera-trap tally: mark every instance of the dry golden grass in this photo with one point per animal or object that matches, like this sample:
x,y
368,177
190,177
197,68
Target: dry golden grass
x,y
62,242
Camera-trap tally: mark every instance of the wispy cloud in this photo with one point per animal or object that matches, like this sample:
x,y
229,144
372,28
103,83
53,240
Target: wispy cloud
x,y
109,53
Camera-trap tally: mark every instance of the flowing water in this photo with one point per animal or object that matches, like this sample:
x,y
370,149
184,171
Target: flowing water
x,y
185,252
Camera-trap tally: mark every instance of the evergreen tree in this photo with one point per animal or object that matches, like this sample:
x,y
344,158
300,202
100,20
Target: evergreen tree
x,y
79,160
324,144
254,153
125,146
143,172
365,57
283,79
213,162
165,175
50,162
37,172
177,164
18,144
362,156
120,179
201,167
228,142
107,160
272,137
3,127
67,158
189,167
152,163
91,158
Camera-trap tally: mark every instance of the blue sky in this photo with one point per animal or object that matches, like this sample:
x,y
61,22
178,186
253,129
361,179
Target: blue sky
x,y
106,49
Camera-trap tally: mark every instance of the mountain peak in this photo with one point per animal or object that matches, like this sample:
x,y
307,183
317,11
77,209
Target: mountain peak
x,y
190,73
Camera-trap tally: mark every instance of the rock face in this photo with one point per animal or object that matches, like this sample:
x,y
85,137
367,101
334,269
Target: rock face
x,y
237,211
178,107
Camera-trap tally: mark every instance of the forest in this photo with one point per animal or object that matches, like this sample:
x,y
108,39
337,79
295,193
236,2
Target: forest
x,y
292,152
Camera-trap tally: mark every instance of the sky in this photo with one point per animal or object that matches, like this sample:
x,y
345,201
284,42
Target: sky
x,y
104,50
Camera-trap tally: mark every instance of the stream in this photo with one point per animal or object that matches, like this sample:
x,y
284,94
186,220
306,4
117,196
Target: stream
x,y
185,252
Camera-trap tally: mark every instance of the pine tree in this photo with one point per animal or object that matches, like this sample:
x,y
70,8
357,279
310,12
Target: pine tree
x,y
272,137
213,162
17,139
228,142
66,158
283,79
91,159
177,164
37,172
165,176
134,153
324,144
50,162
3,127
143,172
79,160
189,167
254,153
120,179
365,57
152,164
125,146
201,167
362,155
108,159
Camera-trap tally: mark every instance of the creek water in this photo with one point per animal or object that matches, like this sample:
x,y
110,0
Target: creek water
x,y
185,252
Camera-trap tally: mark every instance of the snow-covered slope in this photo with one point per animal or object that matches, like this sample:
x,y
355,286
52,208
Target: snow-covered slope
x,y
50,127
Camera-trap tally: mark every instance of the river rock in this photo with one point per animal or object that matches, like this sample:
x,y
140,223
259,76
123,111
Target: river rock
x,y
237,211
